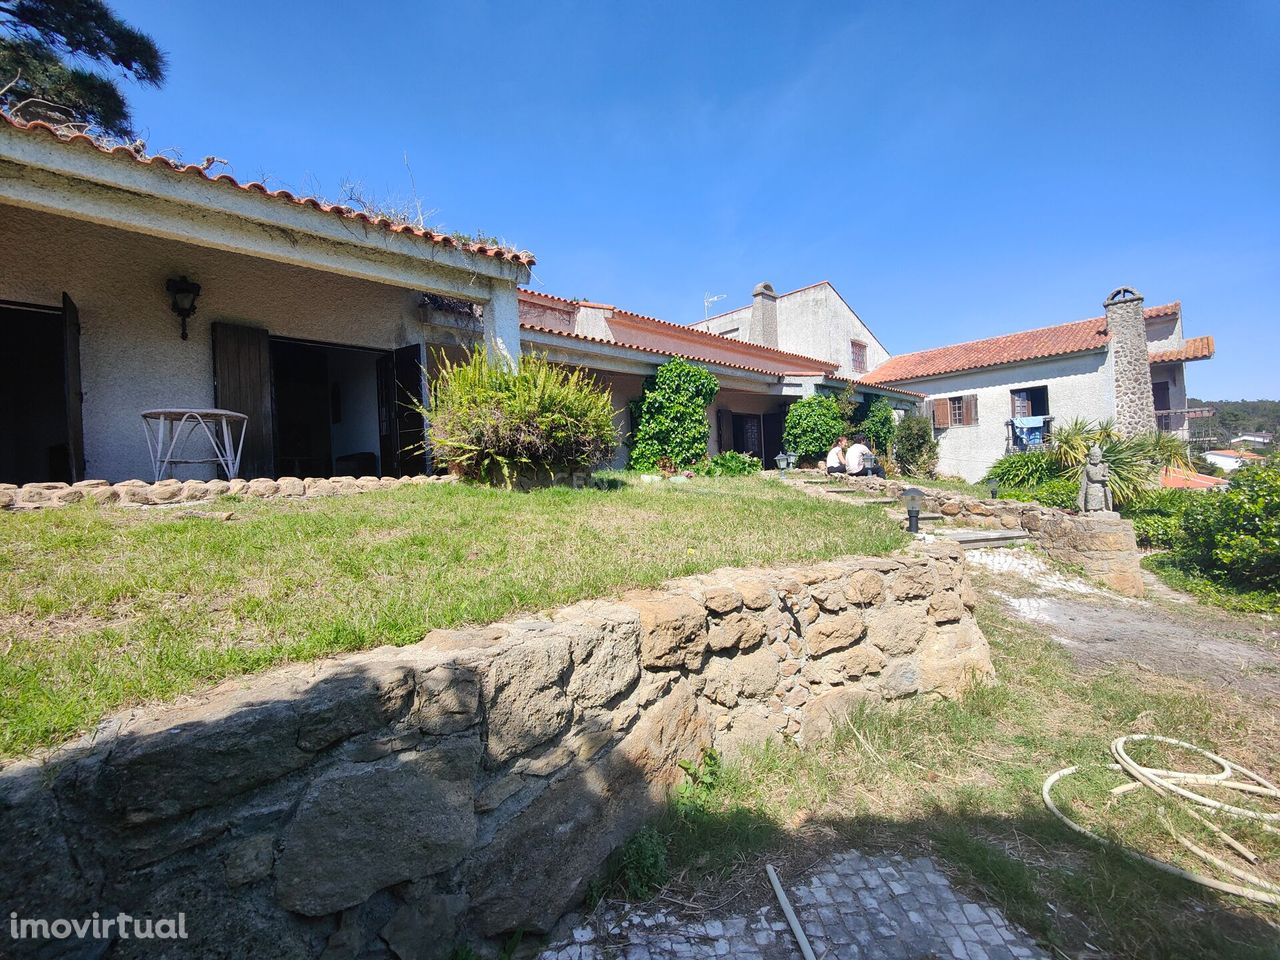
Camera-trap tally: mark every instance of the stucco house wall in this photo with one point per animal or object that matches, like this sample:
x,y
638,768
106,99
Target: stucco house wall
x,y
814,321
1081,385
131,354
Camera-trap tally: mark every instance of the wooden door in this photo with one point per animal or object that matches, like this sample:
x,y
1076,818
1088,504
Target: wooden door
x,y
74,390
410,427
772,438
242,382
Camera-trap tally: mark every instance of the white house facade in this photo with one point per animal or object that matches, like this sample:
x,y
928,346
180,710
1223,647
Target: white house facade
x,y
991,396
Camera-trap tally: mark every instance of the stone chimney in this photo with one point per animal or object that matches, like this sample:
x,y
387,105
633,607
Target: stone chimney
x,y
763,326
1130,363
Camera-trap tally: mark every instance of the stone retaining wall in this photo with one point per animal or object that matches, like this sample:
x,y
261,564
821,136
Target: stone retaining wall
x,y
1101,544
390,803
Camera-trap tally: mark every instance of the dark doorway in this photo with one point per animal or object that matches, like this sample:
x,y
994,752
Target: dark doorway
x,y
41,437
748,434
1160,394
1029,402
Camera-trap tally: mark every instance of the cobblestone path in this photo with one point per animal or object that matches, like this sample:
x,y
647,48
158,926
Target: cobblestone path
x,y
851,907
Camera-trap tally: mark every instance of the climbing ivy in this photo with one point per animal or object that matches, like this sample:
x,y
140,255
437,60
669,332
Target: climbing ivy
x,y
669,420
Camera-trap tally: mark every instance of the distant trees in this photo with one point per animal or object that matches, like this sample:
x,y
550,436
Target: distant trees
x,y
57,57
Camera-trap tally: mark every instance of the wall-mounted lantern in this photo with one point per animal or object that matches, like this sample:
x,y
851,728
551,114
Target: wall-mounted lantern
x,y
913,500
182,296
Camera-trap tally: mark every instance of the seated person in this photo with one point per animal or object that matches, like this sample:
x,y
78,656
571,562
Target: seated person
x,y
836,458
859,460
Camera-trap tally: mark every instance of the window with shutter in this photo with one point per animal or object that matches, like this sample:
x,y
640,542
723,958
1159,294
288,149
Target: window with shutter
x,y
957,410
859,352
941,414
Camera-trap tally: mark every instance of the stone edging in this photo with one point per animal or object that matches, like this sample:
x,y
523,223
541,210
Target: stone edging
x,y
1102,544
140,493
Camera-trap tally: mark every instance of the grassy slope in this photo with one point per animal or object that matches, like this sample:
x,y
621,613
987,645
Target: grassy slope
x,y
100,608
962,780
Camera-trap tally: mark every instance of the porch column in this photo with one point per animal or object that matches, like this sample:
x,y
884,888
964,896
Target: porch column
x,y
502,323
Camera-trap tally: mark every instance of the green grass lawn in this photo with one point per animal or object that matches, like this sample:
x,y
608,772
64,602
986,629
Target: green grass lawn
x,y
961,781
1184,576
102,608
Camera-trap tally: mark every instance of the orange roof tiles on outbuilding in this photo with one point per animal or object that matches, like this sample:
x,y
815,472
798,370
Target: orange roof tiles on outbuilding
x,y
1194,348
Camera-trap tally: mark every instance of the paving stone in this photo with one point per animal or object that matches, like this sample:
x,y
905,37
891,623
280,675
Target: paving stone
x,y
852,906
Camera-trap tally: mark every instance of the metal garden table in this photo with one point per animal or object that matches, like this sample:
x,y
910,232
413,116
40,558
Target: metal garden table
x,y
169,433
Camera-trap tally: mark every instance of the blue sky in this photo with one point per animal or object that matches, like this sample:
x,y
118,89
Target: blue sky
x,y
957,170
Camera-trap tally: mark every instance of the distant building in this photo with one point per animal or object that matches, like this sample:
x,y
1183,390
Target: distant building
x,y
1256,438
1230,460
991,396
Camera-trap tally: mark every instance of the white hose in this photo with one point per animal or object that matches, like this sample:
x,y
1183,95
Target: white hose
x,y
1167,782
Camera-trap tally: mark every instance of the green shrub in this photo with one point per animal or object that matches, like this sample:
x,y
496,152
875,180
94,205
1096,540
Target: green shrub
x,y
489,420
813,426
727,464
1157,516
1060,492
1236,533
880,426
915,449
670,418
1023,470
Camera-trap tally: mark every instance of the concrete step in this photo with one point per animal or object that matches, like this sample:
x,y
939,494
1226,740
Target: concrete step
x,y
978,539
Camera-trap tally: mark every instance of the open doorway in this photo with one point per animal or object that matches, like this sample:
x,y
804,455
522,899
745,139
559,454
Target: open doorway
x,y
326,410
41,438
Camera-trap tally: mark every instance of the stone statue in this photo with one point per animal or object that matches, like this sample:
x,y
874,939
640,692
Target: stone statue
x,y
1095,484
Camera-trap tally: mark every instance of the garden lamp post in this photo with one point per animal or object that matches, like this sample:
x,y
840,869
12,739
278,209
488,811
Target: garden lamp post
x,y
912,499
994,487
783,460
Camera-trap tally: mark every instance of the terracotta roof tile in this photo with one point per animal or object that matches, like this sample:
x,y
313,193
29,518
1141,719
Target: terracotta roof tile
x,y
443,239
815,364
1064,338
1178,479
1195,348
655,351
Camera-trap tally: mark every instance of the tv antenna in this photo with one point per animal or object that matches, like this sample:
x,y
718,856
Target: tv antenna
x,y
707,301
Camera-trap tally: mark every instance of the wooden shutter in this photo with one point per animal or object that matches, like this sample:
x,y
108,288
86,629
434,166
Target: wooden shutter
x,y
72,383
242,383
970,409
410,452
941,413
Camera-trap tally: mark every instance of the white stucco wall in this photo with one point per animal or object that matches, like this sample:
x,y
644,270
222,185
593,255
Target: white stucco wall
x,y
1079,386
813,322
132,356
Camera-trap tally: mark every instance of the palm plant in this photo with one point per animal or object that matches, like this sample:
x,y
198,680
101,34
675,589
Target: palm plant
x,y
1135,462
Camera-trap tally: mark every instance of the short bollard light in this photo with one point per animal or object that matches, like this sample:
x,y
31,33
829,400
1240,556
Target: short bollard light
x,y
994,487
791,461
913,499
783,460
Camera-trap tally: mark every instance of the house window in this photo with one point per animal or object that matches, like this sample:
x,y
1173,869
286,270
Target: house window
x,y
1029,402
859,350
955,411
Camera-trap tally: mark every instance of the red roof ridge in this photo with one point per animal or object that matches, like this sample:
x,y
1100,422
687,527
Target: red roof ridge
x,y
523,257
664,353
718,337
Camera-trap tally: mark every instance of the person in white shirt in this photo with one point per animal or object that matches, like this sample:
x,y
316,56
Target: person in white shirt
x,y
836,456
859,460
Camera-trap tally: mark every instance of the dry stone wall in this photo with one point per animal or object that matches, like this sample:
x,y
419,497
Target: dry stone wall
x,y
1103,545
391,803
